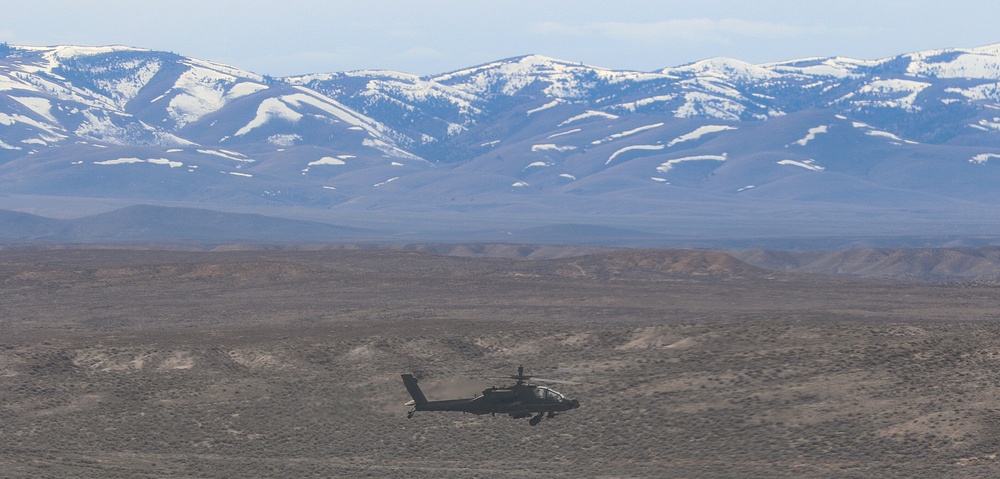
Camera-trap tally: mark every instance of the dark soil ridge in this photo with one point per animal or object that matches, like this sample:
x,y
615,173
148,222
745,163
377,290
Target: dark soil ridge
x,y
910,264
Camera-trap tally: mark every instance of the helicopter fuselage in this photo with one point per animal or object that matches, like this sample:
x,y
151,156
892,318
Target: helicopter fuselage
x,y
518,401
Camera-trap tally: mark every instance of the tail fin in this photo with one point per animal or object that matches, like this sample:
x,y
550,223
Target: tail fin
x,y
411,386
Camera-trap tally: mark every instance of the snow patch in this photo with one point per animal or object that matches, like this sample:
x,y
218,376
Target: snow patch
x,y
807,164
983,158
981,62
8,83
270,109
326,160
987,125
245,88
41,106
551,147
881,134
129,161
201,91
631,148
389,149
589,114
164,161
574,130
635,105
536,164
229,155
836,67
546,106
986,91
9,120
700,132
669,165
811,135
99,125
327,105
699,104
884,134
892,93
626,133
284,140
120,161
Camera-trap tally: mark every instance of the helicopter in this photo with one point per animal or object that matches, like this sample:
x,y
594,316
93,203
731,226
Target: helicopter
x,y
519,400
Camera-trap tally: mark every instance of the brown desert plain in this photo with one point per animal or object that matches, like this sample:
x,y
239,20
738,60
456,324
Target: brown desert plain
x,y
127,363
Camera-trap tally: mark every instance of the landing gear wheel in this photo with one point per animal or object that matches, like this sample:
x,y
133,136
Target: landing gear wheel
x,y
535,420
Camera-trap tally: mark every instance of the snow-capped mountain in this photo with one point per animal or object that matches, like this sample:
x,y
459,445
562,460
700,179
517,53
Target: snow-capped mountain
x,y
529,139
117,115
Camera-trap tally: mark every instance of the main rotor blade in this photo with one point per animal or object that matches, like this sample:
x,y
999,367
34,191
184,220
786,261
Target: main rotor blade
x,y
555,381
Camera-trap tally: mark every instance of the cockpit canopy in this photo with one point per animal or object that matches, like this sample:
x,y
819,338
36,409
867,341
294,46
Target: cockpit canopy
x,y
543,392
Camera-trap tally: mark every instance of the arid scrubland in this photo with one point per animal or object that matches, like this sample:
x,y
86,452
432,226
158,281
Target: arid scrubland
x,y
286,364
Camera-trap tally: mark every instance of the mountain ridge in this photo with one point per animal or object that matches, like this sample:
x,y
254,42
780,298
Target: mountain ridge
x,y
910,140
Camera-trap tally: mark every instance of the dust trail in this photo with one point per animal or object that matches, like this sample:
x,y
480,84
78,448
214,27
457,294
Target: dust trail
x,y
453,388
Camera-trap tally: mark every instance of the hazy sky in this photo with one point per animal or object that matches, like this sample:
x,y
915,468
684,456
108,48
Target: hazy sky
x,y
435,36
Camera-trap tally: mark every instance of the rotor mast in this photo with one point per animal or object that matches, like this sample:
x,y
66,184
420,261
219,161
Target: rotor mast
x,y
520,378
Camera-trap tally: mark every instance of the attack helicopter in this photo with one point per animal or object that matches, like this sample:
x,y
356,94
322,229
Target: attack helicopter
x,y
519,400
